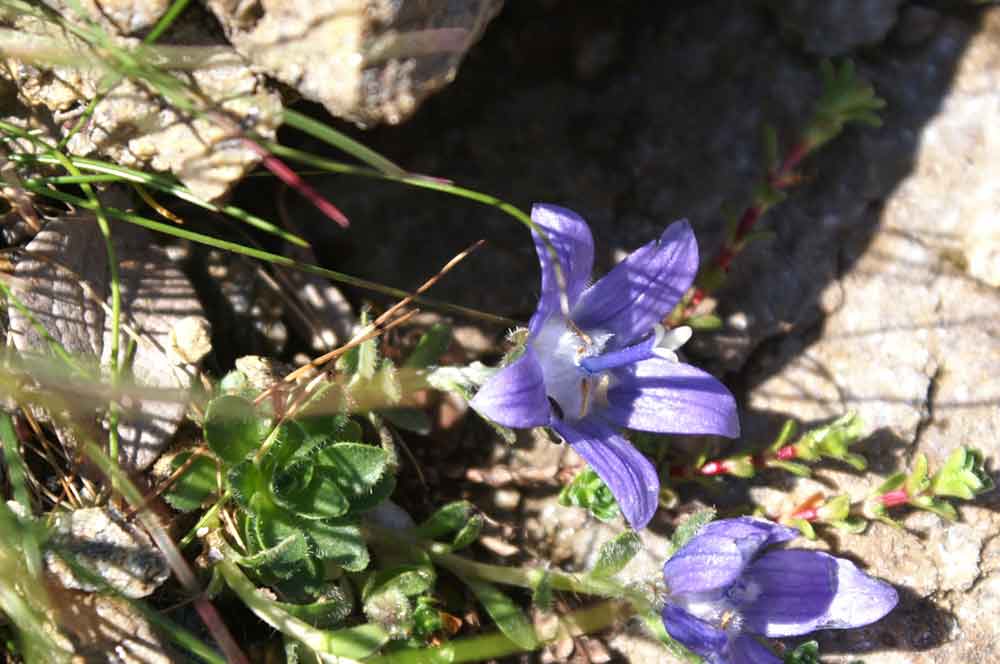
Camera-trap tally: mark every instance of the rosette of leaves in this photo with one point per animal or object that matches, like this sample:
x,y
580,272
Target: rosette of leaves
x,y
300,502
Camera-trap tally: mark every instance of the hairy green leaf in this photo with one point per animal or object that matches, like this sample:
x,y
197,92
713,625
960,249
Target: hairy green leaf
x,y
231,429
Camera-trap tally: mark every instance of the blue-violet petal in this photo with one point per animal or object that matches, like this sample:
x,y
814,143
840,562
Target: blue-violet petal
x,y
641,290
627,472
570,237
671,397
515,396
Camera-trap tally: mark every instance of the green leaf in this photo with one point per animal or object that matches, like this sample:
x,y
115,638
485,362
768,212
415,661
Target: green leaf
x,y
357,642
448,519
231,429
798,469
788,430
689,528
195,485
246,482
505,613
588,490
616,554
806,653
805,528
432,345
331,427
356,468
285,549
410,419
918,481
962,476
338,541
411,580
852,524
273,528
942,508
321,499
333,609
893,482
541,595
705,323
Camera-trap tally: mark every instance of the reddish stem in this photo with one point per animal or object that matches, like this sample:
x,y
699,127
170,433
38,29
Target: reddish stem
x,y
787,453
894,498
779,179
806,514
292,179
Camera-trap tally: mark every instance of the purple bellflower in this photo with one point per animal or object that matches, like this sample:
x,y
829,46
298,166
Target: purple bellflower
x,y
722,588
600,360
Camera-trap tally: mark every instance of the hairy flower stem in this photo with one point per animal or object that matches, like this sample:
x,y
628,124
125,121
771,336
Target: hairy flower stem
x,y
495,645
530,577
332,647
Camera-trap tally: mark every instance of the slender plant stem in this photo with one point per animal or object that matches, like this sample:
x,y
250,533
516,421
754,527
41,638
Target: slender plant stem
x,y
495,644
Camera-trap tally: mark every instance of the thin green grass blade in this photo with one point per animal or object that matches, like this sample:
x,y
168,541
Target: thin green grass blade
x,y
331,136
267,256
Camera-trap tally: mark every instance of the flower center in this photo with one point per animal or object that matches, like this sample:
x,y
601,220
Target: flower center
x,y
561,349
716,610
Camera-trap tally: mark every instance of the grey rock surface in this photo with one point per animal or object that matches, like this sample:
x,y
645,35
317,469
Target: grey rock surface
x,y
63,281
837,27
108,630
368,61
121,553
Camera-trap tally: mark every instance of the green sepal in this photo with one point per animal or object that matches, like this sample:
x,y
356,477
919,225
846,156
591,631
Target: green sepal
x,y
231,428
432,345
195,485
468,534
833,441
616,554
688,529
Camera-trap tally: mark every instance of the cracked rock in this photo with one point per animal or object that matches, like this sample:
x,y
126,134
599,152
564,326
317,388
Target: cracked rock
x,y
368,61
122,554
63,281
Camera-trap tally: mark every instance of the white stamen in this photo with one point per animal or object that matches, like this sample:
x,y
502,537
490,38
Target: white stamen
x,y
666,342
